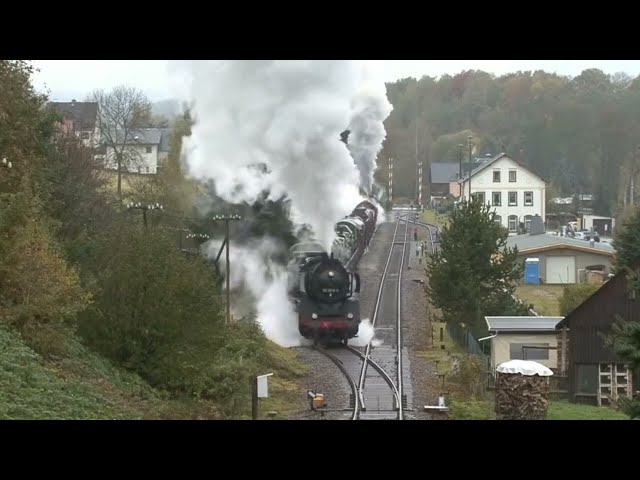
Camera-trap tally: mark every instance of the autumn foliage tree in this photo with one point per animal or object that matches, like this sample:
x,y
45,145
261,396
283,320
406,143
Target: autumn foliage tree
x,y
40,294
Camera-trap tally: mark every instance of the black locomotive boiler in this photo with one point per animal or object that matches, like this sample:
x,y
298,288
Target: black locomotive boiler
x,y
325,296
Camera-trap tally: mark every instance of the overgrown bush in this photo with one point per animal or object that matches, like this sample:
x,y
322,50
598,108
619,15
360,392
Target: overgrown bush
x,y
574,295
470,374
40,293
159,313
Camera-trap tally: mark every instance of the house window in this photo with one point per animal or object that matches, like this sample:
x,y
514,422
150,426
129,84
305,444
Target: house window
x,y
148,149
497,219
512,176
513,223
147,169
528,199
496,176
139,170
513,199
85,136
496,199
516,351
479,196
587,379
527,222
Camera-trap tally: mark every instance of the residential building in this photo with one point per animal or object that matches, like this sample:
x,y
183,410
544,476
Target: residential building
x,y
511,338
596,374
79,119
145,150
515,192
441,177
562,259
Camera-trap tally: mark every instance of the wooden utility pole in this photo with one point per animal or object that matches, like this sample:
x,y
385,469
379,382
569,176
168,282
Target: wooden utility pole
x,y
227,219
144,208
470,165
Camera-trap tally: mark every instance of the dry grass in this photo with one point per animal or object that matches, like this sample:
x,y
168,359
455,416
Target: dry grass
x,y
430,216
545,298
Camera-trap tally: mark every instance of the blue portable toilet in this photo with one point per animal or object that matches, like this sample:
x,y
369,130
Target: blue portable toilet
x,y
532,271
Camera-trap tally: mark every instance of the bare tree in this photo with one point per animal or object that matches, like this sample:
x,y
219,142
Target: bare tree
x,y
121,112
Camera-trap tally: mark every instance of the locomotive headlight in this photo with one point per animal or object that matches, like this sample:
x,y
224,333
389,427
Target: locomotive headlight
x,y
349,315
314,315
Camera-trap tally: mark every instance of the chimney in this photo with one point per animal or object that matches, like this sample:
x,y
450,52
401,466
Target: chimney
x,y
537,226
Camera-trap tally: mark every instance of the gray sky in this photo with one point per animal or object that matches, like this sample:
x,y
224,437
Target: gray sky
x,y
67,79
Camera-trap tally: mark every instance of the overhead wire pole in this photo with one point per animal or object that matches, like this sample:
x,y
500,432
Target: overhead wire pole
x,y
469,138
144,208
391,180
417,165
227,219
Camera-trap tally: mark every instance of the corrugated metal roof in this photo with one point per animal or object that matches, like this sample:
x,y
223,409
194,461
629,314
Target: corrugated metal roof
x,y
528,242
522,324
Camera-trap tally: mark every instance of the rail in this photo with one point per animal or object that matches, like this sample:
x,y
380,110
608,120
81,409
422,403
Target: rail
x,y
376,310
356,372
397,387
400,391
352,383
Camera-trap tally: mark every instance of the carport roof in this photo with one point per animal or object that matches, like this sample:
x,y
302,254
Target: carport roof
x,y
522,324
545,242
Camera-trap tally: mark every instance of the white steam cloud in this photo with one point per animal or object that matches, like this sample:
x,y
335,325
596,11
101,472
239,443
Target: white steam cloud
x,y
253,270
274,126
371,108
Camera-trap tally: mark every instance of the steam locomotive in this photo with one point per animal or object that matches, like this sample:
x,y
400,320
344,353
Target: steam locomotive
x,y
324,291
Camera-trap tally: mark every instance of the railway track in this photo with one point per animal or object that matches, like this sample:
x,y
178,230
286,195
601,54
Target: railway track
x,y
375,375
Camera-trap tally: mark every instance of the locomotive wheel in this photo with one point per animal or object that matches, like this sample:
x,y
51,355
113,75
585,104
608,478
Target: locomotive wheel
x,y
345,341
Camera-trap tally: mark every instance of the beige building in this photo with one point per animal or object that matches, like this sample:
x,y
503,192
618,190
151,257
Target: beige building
x,y
511,336
563,260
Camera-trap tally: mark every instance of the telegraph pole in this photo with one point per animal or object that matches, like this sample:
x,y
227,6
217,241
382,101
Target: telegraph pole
x,y
391,180
227,219
469,138
144,208
633,174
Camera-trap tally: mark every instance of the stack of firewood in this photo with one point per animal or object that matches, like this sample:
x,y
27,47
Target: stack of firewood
x,y
521,397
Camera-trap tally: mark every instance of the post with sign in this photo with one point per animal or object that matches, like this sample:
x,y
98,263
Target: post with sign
x,y
259,389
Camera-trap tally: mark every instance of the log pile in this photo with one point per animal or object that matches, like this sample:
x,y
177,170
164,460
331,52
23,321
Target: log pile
x,y
522,396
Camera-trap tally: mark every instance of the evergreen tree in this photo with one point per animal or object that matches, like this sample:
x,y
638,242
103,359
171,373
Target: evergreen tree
x,y
474,273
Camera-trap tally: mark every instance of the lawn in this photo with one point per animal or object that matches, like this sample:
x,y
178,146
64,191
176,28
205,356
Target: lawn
x,y
563,410
430,216
558,410
545,298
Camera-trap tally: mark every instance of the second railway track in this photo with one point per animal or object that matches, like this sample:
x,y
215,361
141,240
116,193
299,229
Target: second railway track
x,y
376,373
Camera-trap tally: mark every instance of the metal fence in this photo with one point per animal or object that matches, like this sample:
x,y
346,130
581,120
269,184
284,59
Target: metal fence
x,y
465,339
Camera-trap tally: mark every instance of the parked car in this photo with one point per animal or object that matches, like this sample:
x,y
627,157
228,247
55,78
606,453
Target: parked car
x,y
585,234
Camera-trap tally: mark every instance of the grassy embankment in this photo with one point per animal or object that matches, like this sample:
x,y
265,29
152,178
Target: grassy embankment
x,y
84,385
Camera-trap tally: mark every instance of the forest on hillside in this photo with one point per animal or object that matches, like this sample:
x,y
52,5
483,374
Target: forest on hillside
x,y
581,134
